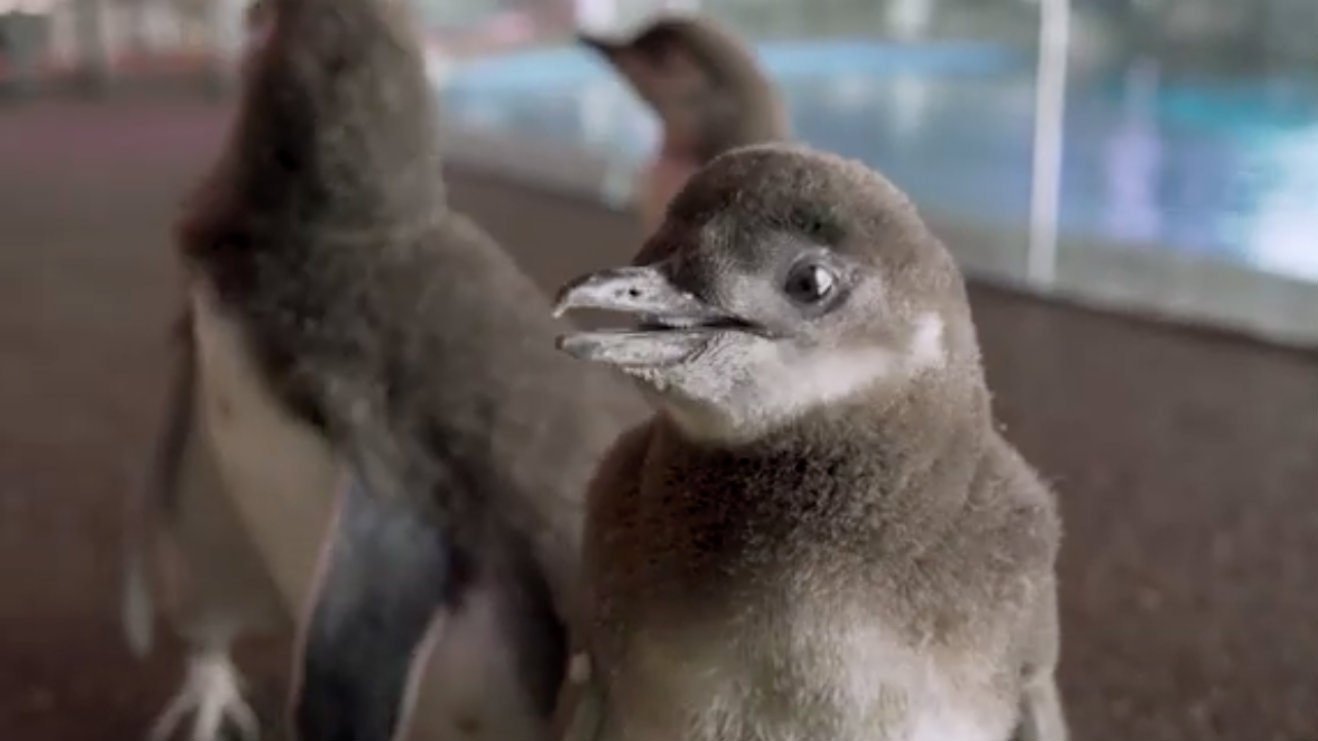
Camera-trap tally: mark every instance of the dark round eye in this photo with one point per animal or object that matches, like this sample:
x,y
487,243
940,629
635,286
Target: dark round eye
x,y
809,283
657,48
809,224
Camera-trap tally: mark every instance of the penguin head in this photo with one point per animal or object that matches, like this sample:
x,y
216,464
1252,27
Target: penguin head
x,y
782,280
701,81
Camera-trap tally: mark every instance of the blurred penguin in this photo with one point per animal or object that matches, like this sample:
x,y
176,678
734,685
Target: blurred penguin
x,y
367,384
708,91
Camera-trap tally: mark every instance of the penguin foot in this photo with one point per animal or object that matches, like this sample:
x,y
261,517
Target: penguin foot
x,y
212,692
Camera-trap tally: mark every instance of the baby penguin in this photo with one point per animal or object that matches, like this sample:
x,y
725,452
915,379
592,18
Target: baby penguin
x,y
706,88
820,534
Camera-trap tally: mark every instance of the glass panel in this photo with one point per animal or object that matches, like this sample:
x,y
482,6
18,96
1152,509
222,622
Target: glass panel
x,y
1191,160
937,94
1186,130
540,84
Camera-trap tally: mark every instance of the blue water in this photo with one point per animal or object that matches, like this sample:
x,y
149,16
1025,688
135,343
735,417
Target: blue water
x,y
1227,167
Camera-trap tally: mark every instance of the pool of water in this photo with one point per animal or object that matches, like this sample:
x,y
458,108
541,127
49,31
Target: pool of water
x,y
1227,167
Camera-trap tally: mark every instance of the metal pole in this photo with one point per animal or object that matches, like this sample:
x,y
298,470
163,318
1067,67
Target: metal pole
x,y
93,42
226,26
1049,115
596,15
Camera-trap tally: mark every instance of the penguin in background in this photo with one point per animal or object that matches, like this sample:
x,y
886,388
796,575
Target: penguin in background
x,y
820,533
366,390
707,90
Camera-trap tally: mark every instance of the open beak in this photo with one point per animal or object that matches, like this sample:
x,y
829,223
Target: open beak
x,y
674,324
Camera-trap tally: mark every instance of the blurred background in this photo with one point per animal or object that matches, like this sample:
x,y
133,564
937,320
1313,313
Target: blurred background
x,y
1130,185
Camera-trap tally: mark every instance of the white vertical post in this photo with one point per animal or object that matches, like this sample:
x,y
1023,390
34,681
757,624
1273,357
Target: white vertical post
x,y
225,23
596,15
93,40
1049,115
63,36
681,6
21,28
909,19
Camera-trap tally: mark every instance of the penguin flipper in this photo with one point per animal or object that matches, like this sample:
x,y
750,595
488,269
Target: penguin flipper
x,y
1041,718
1041,715
384,583
402,638
158,494
582,707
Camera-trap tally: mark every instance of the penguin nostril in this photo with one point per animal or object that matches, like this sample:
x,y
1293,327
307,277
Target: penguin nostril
x,y
634,292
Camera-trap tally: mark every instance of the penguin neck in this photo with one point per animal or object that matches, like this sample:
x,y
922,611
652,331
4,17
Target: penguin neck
x,y
718,134
732,118
660,181
679,152
335,138
746,108
862,471
749,112
914,430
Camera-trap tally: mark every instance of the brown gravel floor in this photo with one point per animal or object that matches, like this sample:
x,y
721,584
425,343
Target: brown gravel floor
x,y
1187,462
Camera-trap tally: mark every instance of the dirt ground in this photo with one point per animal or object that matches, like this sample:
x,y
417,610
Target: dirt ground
x,y
1187,463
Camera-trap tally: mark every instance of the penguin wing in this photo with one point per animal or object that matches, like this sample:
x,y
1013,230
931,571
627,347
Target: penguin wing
x,y
147,508
583,709
1041,714
383,584
489,669
582,706
406,636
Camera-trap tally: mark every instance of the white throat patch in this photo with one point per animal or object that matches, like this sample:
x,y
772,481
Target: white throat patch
x,y
770,385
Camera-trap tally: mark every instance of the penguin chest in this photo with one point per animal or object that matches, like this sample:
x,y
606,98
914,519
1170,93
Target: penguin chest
x,y
867,682
279,472
803,677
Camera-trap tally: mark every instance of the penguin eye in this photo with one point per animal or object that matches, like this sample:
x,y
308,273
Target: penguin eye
x,y
809,283
653,53
656,47
810,223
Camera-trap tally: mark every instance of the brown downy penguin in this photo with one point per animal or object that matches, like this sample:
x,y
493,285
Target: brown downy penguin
x,y
706,88
820,534
361,360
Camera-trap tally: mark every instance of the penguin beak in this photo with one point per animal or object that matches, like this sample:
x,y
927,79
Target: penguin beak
x,y
674,326
619,55
607,49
